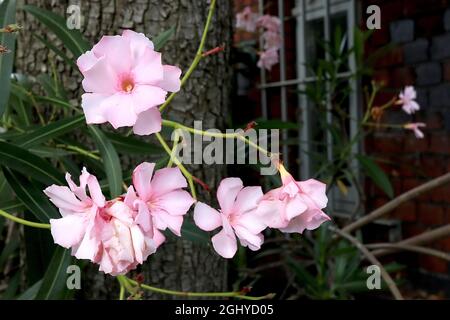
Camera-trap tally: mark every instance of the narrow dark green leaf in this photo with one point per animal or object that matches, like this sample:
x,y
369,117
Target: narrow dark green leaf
x,y
72,39
192,233
31,196
111,161
161,39
55,49
25,162
50,131
7,16
31,292
11,205
377,175
132,145
54,281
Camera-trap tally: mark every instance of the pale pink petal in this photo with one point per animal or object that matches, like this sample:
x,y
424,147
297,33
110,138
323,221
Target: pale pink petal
x,y
86,61
248,237
247,199
100,78
316,190
95,191
227,192
206,218
271,213
148,122
142,176
294,207
138,241
68,231
138,43
130,197
149,69
88,247
308,220
122,212
63,198
116,50
146,97
175,202
167,180
163,220
251,222
93,108
171,81
225,244
144,219
119,110
158,237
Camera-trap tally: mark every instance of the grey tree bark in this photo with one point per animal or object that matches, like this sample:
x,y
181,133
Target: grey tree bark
x,y
178,264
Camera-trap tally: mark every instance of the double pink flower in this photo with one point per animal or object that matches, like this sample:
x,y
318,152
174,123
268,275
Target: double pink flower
x,y
121,233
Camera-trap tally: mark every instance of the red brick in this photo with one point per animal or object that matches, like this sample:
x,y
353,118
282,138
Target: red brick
x,y
389,144
446,70
411,183
392,58
429,25
433,264
406,212
444,244
440,143
433,165
379,38
441,194
434,121
430,214
413,145
411,230
382,77
403,76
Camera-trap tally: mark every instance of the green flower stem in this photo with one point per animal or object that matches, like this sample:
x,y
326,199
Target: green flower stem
x,y
198,55
176,125
24,222
183,169
233,294
174,149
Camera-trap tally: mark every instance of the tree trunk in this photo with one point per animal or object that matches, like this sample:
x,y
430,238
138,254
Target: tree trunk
x,y
178,264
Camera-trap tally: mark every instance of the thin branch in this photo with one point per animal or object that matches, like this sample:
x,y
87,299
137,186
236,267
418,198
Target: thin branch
x,y
391,205
384,274
425,237
406,247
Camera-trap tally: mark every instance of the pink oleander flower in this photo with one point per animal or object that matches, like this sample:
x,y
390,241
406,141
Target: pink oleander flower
x,y
104,232
415,128
160,201
407,99
246,20
124,244
270,23
295,206
236,216
80,225
268,58
272,40
125,81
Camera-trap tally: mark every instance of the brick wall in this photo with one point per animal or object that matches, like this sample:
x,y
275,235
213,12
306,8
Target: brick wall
x,y
420,31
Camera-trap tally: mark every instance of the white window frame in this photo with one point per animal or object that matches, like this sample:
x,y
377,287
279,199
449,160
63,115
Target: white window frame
x,y
338,205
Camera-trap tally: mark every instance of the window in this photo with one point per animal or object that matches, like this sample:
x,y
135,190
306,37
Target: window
x,y
322,19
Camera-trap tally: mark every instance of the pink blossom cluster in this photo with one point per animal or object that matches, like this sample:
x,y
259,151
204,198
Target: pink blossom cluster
x,y
121,233
270,26
245,212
